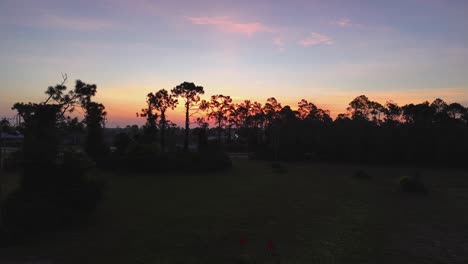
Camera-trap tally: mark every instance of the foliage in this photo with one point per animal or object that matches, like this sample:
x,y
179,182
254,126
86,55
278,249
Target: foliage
x,y
190,93
278,167
218,109
144,158
95,120
121,142
65,196
159,102
5,126
361,174
13,161
412,184
54,189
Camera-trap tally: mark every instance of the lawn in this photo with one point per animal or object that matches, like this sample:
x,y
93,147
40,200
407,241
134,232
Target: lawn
x,y
313,213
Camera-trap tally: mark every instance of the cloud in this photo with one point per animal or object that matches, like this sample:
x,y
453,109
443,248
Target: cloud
x,y
225,24
344,22
279,43
316,39
74,23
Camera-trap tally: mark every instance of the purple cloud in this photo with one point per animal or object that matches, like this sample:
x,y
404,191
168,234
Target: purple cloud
x,y
315,39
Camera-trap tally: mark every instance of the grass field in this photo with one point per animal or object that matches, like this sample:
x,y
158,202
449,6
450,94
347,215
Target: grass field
x,y
313,213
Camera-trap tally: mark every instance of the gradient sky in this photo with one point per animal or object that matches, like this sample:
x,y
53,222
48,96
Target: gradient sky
x,y
327,52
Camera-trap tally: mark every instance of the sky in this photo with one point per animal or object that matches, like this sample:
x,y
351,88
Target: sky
x,y
327,52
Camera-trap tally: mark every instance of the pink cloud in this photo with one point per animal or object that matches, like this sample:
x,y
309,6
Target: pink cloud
x,y
279,43
226,24
316,39
344,22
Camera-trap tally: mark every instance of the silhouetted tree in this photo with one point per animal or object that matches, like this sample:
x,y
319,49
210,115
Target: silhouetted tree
x,y
161,101
377,111
201,132
359,108
218,109
41,122
440,110
420,114
95,118
309,111
392,113
150,127
271,110
455,111
190,93
5,126
121,142
54,189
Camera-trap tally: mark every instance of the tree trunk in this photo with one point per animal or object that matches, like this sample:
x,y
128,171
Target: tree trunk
x,y
219,132
186,138
163,130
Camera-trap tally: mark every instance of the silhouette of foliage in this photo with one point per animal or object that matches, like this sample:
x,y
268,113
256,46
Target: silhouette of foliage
x,y
190,93
218,109
161,101
67,198
361,174
412,184
49,188
95,117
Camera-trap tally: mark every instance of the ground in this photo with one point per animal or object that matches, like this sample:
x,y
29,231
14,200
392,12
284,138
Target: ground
x,y
312,213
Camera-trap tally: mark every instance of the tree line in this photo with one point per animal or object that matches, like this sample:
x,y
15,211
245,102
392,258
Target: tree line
x,y
367,132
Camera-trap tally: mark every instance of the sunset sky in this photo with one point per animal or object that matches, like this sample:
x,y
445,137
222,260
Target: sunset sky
x,y
327,52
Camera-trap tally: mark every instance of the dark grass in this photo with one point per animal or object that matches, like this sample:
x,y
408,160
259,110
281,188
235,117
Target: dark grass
x,y
314,213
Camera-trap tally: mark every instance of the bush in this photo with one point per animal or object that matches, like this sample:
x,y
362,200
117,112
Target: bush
x,y
208,160
64,197
149,161
361,174
278,167
412,184
13,162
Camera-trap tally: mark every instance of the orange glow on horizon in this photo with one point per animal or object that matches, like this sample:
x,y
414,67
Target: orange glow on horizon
x,y
123,104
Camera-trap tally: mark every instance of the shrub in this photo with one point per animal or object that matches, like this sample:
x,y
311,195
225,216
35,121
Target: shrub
x,y
65,196
278,167
122,141
412,184
13,161
203,161
361,174
148,159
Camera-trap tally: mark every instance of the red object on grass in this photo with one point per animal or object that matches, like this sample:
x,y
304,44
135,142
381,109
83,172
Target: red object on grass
x,y
243,241
270,245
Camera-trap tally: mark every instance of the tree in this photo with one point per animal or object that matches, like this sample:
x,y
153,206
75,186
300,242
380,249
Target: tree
x,y
218,109
190,93
359,108
439,107
41,122
150,127
376,111
455,111
419,114
392,112
161,101
52,191
305,109
309,111
95,119
271,110
5,126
